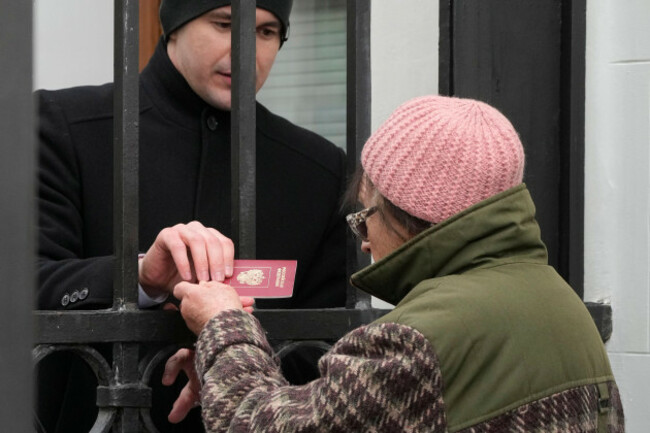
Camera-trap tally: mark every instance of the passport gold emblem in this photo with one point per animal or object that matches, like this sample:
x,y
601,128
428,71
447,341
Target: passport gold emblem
x,y
253,277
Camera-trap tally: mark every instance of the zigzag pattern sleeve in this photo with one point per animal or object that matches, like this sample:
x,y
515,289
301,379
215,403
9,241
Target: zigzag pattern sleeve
x,y
377,378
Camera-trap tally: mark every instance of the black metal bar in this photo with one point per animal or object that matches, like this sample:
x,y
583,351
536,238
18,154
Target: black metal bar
x,y
445,48
125,154
574,34
243,129
17,213
125,197
602,315
124,396
82,327
126,375
358,122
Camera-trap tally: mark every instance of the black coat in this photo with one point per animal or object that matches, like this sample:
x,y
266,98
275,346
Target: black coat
x,y
184,175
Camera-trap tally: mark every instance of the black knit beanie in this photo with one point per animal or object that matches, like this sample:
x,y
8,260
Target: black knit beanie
x,y
175,13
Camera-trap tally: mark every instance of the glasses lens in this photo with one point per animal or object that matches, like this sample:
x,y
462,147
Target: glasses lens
x,y
362,229
357,222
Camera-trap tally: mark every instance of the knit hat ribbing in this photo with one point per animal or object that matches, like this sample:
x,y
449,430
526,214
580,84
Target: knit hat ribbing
x,y
175,13
436,156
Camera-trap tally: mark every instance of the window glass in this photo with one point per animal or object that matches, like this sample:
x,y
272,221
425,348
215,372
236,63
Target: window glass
x,y
307,84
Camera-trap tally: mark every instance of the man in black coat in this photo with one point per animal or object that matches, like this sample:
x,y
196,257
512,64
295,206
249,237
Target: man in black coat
x,y
184,213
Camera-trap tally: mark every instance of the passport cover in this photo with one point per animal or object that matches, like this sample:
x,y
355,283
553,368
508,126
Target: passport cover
x,y
263,278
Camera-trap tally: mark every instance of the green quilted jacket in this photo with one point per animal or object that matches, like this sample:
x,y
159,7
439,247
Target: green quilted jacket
x,y
507,329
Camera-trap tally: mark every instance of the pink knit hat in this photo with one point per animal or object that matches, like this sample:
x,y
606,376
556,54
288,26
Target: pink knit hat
x,y
436,156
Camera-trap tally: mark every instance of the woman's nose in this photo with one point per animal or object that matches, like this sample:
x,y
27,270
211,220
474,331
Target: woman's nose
x,y
365,247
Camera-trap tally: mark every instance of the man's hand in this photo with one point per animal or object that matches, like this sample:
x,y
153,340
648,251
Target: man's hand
x,y
185,252
201,302
189,396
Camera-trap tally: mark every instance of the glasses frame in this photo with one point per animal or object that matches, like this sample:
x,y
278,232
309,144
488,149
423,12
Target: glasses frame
x,y
357,222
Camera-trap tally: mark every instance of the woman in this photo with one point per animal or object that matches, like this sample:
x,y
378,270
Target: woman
x,y
485,336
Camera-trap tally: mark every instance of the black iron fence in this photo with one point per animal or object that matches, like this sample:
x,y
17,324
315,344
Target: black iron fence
x,y
123,396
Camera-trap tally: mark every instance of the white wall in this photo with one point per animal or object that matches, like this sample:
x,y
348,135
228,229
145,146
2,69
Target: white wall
x,y
404,58
404,53
617,189
73,43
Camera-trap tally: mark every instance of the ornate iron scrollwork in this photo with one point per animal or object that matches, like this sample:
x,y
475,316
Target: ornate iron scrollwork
x,y
99,366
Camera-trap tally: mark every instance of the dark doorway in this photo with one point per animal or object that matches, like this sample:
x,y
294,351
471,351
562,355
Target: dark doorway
x,y
528,60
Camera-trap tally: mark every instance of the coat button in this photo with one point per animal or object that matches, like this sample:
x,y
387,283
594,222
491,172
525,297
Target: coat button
x,y
74,297
65,300
212,123
83,294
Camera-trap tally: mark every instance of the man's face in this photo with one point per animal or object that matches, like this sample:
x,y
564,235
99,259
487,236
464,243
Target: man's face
x,y
201,51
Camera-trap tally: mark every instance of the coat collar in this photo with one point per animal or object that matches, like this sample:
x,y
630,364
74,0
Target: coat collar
x,y
172,95
499,230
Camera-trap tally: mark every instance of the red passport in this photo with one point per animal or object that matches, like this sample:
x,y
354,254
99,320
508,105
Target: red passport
x,y
263,278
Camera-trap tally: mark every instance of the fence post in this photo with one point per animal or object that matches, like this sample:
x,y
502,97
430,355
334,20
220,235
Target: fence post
x,y
358,121
243,129
126,109
17,215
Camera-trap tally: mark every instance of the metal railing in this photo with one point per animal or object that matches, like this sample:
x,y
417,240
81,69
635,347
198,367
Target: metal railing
x,y
123,396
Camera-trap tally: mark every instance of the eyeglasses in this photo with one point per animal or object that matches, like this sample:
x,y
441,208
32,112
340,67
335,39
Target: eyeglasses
x,y
357,222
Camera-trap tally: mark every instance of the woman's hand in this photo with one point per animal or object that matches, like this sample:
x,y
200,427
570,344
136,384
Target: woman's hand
x,y
201,302
189,396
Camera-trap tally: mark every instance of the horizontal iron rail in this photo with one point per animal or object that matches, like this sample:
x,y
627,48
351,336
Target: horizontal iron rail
x,y
84,327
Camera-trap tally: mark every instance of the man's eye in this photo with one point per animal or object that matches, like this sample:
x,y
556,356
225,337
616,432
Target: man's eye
x,y
267,32
222,24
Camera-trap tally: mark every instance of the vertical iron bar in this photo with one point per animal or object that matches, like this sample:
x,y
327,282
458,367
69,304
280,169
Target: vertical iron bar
x,y
17,213
125,194
243,128
445,49
125,372
574,34
358,121
125,154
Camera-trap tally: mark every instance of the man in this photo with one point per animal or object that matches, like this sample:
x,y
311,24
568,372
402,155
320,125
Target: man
x,y
184,224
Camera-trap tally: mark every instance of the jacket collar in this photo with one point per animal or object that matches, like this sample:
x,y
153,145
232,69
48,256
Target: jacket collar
x,y
499,230
172,95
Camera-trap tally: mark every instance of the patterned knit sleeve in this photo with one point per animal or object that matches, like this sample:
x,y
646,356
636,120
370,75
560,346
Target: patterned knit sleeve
x,y
380,377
